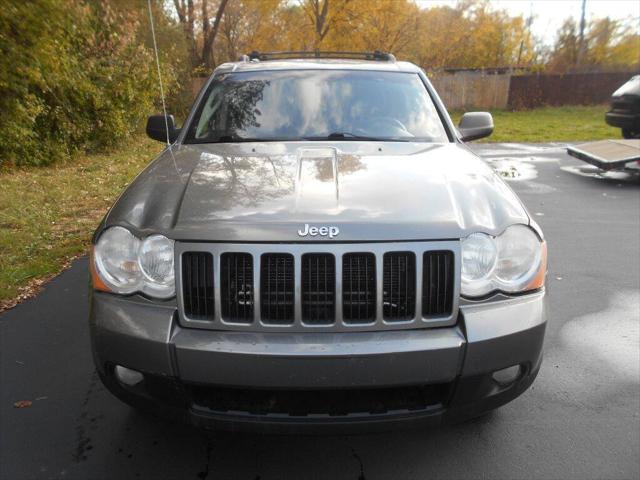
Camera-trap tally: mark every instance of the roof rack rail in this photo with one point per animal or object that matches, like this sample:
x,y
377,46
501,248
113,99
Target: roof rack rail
x,y
260,56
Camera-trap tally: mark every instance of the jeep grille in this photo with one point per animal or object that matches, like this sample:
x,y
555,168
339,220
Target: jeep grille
x,y
340,287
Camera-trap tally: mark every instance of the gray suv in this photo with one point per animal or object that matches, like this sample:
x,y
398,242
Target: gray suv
x,y
318,249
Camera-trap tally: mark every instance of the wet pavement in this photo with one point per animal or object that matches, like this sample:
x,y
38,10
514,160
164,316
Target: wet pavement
x,y
580,419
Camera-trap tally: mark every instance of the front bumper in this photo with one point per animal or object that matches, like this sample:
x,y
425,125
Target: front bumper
x,y
455,363
624,120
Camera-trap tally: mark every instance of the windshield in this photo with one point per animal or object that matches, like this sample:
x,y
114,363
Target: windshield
x,y
316,105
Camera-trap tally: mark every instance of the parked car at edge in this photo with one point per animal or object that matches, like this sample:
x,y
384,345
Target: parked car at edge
x,y
318,249
625,108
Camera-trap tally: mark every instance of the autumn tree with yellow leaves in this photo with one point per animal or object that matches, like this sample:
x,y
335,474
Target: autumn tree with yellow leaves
x,y
472,34
608,44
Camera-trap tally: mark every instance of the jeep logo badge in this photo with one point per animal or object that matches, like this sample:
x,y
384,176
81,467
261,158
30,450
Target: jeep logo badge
x,y
322,231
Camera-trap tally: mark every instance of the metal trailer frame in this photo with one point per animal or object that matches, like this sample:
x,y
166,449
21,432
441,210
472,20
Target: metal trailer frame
x,y
608,154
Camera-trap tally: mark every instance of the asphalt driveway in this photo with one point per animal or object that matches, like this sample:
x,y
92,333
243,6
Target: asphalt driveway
x,y
581,418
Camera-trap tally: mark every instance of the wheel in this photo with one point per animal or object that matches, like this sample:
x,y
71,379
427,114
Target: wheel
x,y
626,133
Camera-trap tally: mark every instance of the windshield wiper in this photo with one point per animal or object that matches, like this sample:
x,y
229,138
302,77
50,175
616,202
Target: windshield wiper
x,y
238,139
351,136
232,139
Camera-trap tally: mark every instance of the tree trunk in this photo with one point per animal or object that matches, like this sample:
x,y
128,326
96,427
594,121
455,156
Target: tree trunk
x,y
209,33
186,17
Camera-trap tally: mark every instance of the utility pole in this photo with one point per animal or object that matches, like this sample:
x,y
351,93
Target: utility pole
x,y
581,44
528,32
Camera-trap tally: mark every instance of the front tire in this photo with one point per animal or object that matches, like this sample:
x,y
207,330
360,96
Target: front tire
x,y
630,134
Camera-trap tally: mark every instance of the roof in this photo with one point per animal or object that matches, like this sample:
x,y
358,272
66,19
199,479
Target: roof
x,y
316,64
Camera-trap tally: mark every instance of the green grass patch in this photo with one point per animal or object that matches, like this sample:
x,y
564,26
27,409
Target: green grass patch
x,y
550,124
47,214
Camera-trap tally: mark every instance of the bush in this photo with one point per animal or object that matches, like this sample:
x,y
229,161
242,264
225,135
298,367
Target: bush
x,y
76,75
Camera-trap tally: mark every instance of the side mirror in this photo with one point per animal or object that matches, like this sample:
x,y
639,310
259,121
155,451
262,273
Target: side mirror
x,y
475,125
157,128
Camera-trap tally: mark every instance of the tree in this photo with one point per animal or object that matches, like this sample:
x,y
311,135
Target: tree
x,y
249,25
201,48
77,75
209,32
607,44
482,37
324,15
387,25
567,45
186,16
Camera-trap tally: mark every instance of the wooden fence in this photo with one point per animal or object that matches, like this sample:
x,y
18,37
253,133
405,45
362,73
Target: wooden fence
x,y
472,90
531,91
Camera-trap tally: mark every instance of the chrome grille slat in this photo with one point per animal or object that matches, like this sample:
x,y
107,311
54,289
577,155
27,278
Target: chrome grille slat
x,y
257,312
379,289
297,304
297,289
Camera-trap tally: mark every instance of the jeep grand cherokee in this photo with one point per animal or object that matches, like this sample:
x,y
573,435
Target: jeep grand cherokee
x,y
317,248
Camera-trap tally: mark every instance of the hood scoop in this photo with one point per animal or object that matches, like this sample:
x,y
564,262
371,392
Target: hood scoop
x,y
317,185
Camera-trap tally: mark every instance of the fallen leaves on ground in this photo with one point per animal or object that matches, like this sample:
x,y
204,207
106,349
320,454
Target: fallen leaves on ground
x,y
35,286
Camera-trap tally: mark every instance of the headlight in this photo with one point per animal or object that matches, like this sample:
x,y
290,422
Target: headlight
x,y
124,264
519,255
156,263
514,261
479,256
116,260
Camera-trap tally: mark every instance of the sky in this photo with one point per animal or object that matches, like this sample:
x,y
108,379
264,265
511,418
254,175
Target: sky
x,y
549,14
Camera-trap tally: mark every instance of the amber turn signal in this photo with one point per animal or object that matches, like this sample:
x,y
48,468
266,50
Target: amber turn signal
x,y
538,280
96,281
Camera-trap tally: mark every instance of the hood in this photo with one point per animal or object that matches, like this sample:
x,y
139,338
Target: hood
x,y
263,192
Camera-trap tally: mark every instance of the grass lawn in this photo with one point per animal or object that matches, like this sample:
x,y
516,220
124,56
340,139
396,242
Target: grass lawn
x,y
550,124
47,214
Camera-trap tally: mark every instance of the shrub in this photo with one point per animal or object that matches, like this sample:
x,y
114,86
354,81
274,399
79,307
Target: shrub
x,y
76,75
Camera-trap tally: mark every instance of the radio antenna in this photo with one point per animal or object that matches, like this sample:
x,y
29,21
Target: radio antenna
x,y
155,49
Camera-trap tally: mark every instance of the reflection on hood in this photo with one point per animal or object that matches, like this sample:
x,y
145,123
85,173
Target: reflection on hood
x,y
265,192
